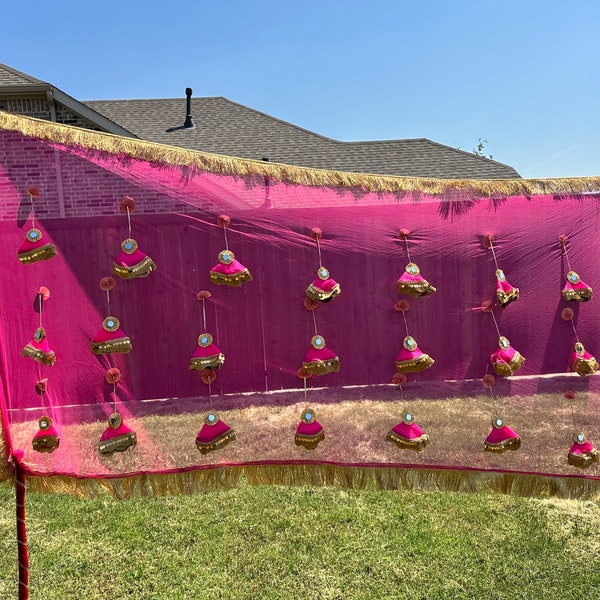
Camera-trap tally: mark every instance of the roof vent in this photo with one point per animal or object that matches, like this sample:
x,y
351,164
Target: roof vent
x,y
189,122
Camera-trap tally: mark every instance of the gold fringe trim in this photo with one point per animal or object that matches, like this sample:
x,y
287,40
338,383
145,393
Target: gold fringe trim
x,y
417,444
414,365
505,299
397,478
45,252
582,295
142,269
121,345
415,289
150,484
583,460
319,295
119,443
47,359
222,440
235,280
226,165
503,446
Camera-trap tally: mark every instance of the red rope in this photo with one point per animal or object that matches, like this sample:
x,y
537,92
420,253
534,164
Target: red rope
x,y
22,533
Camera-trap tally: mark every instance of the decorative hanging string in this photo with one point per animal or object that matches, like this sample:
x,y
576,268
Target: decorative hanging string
x,y
40,303
570,396
407,250
314,321
225,235
319,250
567,315
563,242
491,243
128,222
203,314
405,322
495,322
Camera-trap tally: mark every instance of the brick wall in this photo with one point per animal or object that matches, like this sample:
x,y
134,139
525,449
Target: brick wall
x,y
88,189
40,109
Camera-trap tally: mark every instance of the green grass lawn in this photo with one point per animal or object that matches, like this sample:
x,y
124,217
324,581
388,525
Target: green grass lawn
x,y
284,542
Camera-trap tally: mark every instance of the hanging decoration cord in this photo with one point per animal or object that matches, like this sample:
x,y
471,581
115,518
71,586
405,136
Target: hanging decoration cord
x,y
225,234
129,222
564,247
407,250
405,322
315,322
495,322
494,254
41,304
319,252
32,212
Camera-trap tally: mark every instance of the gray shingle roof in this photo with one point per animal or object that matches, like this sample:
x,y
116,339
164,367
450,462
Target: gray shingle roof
x,y
10,76
232,129
225,127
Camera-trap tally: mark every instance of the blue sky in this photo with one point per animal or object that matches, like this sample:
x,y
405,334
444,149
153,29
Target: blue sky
x,y
523,75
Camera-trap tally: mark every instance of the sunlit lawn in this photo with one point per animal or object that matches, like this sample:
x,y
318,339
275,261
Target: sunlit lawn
x,y
284,542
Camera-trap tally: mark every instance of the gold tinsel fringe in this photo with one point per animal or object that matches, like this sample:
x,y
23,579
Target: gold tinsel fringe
x,y
396,478
240,167
351,477
148,484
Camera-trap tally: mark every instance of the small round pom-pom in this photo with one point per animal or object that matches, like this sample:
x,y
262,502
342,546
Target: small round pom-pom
x,y
41,386
399,379
208,376
570,395
127,203
113,375
107,283
203,295
567,314
486,306
488,381
403,234
44,292
310,304
316,233
402,305
304,374
223,221
488,240
562,239
34,192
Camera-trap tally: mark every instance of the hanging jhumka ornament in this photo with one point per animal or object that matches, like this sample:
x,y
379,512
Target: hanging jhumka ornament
x,y
501,438
505,360
46,439
38,347
228,271
132,262
412,282
580,361
407,434
110,338
505,293
34,248
323,288
309,431
582,453
575,289
410,359
207,359
117,437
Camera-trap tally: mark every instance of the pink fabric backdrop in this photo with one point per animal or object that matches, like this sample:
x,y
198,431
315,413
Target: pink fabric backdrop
x,y
263,327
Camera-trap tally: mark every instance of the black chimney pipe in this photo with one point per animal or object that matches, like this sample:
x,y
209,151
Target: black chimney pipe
x,y
189,122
